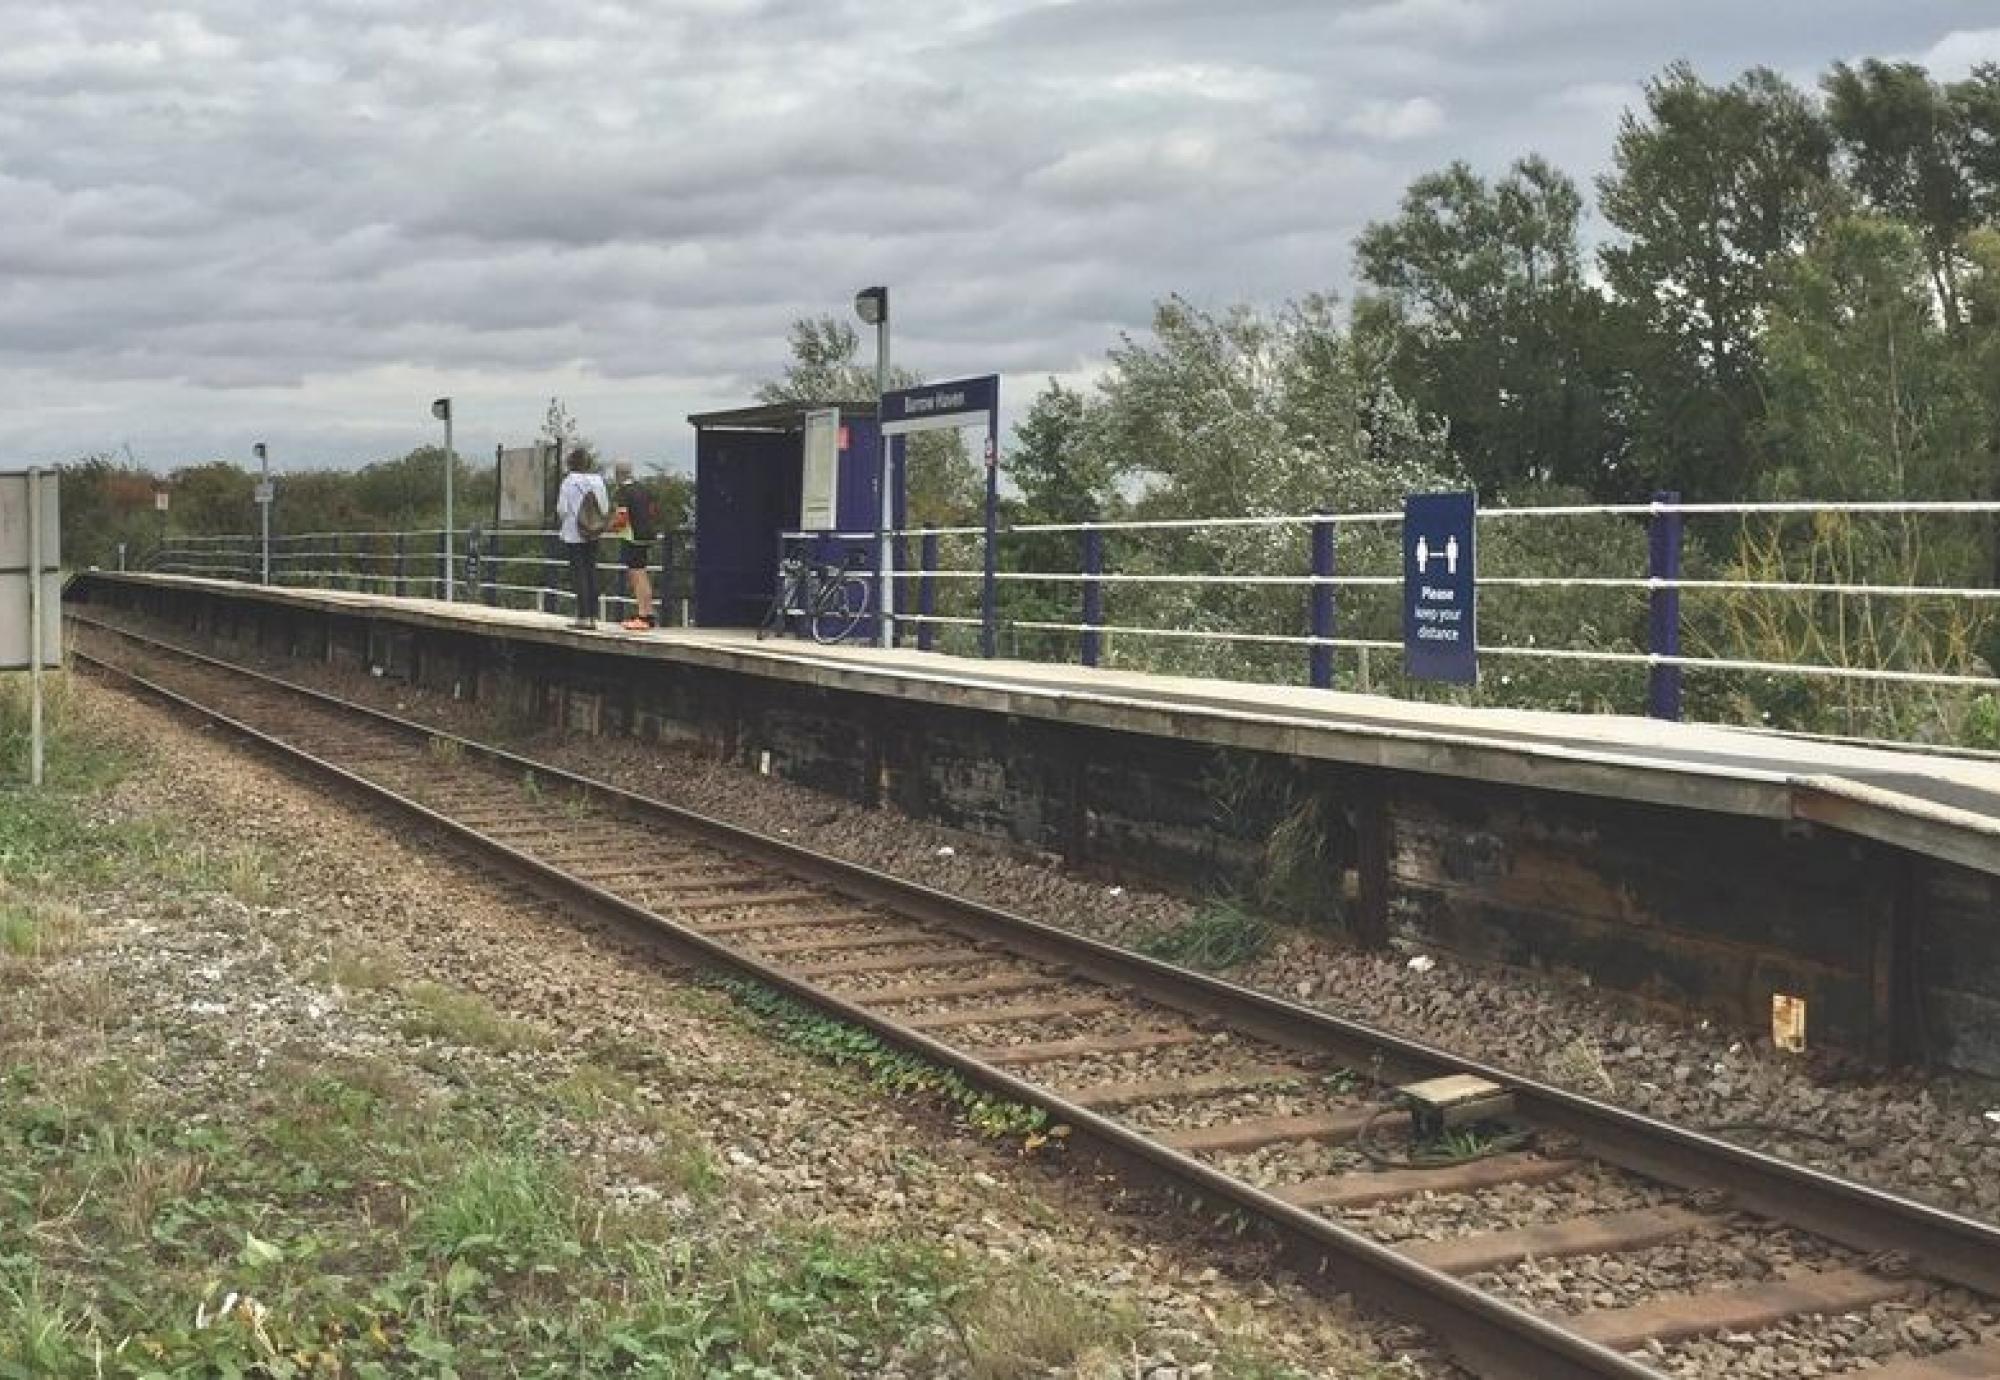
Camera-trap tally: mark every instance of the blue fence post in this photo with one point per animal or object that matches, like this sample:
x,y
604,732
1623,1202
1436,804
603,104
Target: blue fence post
x,y
336,577
663,599
1093,594
490,585
1320,603
927,559
402,566
1663,607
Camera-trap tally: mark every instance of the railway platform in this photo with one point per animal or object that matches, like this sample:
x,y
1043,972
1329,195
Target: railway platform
x,y
1705,867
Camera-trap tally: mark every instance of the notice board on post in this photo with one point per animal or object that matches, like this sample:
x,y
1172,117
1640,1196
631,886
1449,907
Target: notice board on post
x,y
1440,587
16,539
523,488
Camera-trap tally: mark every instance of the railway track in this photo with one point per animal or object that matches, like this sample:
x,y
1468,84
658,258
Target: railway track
x,y
1252,1105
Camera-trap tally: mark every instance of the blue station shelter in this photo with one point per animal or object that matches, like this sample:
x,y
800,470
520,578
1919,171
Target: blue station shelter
x,y
782,476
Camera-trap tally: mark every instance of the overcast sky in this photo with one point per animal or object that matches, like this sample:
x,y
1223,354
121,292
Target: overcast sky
x,y
238,220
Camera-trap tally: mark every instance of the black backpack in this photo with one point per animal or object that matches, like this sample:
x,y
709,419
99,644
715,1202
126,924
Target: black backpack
x,y
643,509
591,519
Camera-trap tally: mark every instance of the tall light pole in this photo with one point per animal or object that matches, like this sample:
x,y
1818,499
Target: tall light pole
x,y
441,409
264,496
872,306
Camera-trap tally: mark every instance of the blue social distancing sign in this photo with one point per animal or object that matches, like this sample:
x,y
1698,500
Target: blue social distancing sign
x,y
1440,590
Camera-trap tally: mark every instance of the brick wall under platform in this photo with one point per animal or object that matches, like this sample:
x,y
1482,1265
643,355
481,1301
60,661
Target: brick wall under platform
x,y
1897,954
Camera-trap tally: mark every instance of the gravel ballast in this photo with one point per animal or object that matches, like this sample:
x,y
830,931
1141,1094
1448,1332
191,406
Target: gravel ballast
x,y
1933,1137
229,988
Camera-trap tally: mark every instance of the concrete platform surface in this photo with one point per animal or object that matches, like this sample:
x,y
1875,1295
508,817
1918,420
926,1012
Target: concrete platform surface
x,y
1930,802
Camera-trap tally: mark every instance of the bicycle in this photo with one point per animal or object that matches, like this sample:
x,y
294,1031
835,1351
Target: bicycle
x,y
831,599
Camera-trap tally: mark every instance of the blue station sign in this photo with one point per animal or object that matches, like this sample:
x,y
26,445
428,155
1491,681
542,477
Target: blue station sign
x,y
935,406
1440,588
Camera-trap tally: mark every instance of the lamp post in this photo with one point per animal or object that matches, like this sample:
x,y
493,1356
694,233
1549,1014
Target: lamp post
x,y
441,409
872,306
264,505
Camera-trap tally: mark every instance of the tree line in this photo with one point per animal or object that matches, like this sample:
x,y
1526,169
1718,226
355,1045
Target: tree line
x,y
108,501
1792,293
1795,295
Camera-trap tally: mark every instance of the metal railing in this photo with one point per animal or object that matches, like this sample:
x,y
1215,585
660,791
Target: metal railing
x,y
505,568
1653,616
1678,591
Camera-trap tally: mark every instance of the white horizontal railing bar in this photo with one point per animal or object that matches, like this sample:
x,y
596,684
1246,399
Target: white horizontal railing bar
x,y
1545,653
1915,506
1636,582
843,536
936,618
1182,524
1961,506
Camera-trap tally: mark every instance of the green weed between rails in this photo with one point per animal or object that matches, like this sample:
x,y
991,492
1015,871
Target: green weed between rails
x,y
76,758
35,928
1219,935
891,1070
1030,1324
439,1012
340,1231
676,1154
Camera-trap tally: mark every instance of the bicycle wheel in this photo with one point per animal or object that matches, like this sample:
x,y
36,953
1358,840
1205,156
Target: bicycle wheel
x,y
779,613
838,609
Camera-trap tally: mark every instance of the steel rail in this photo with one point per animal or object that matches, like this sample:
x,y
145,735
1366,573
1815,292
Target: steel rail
x,y
1490,1337
1938,1243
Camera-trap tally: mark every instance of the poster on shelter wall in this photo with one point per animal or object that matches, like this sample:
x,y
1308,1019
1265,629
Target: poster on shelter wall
x,y
819,483
523,486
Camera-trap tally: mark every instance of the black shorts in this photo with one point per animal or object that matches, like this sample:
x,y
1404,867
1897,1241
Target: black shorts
x,y
633,554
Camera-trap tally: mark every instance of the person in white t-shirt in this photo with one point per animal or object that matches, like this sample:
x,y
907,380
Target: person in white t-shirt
x,y
582,510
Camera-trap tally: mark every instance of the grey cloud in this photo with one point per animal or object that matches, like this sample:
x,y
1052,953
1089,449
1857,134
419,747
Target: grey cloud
x,y
231,217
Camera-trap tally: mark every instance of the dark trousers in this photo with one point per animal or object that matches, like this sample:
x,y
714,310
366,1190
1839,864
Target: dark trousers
x,y
583,576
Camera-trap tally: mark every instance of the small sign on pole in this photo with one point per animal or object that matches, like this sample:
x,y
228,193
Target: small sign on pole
x,y
1440,587
30,590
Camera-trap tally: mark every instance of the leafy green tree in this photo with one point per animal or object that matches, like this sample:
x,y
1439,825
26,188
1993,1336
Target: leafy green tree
x,y
1904,143
1868,396
1251,412
105,503
1063,473
941,480
213,498
1478,289
1713,189
1976,108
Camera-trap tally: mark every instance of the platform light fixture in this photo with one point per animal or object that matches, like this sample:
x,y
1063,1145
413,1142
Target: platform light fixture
x,y
441,409
871,304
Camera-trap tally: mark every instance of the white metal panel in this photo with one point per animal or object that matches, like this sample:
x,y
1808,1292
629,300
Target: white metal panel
x,y
819,490
15,641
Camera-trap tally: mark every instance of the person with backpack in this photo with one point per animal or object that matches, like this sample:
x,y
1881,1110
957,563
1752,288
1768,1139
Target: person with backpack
x,y
635,520
583,510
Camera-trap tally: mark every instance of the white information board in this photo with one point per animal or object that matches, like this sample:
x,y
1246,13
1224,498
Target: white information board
x,y
523,484
819,488
15,540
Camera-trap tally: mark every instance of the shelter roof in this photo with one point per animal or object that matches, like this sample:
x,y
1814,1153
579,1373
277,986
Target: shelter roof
x,y
781,416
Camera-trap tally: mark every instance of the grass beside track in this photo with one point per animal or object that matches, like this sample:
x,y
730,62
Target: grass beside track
x,y
416,1210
